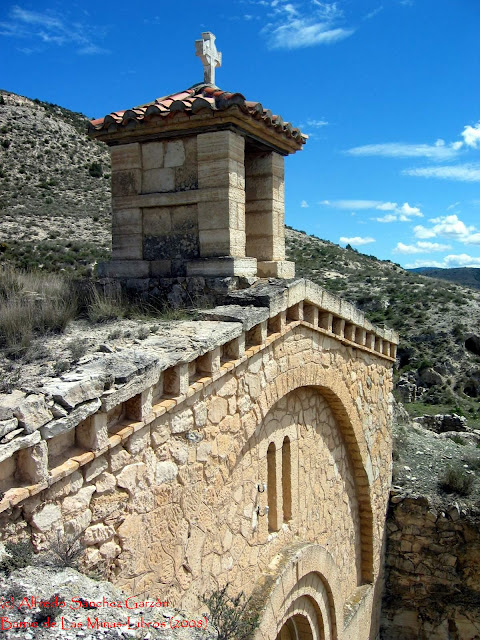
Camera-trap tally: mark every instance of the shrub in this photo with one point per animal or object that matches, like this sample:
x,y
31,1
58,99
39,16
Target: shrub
x,y
95,170
19,555
233,618
473,461
78,348
61,366
66,551
456,480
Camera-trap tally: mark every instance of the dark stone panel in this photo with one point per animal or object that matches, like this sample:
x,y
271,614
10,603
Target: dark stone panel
x,y
178,246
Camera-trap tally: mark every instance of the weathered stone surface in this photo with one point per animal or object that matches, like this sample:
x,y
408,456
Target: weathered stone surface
x,y
175,153
32,464
46,517
110,550
76,388
105,483
75,526
78,502
140,372
32,412
9,403
68,423
98,533
165,472
7,450
13,434
182,421
249,316
95,468
7,426
130,477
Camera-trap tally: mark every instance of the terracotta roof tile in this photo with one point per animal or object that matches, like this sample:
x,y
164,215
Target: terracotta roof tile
x,y
190,102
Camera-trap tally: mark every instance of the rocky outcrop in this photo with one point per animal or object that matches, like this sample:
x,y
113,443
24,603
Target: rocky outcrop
x,y
441,423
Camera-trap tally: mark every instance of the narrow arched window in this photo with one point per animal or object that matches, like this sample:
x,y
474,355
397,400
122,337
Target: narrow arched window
x,y
287,479
272,487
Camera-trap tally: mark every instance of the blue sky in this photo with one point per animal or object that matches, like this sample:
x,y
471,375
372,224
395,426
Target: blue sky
x,y
388,91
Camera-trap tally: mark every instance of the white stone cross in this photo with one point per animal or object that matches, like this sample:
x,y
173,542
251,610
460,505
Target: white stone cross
x,y
211,58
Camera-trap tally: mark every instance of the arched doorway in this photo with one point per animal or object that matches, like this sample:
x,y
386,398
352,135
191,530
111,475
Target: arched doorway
x,y
303,621
300,595
296,628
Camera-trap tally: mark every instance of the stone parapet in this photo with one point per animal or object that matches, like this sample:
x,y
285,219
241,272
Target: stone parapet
x,y
262,314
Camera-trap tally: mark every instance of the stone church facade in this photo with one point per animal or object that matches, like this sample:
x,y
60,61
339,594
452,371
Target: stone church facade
x,y
251,447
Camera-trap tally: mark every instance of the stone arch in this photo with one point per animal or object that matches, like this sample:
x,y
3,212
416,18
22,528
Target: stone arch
x,y
339,399
300,591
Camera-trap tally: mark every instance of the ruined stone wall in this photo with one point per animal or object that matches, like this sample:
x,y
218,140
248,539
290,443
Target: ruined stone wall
x,y
260,458
432,571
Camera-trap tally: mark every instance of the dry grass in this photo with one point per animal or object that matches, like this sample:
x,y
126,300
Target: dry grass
x,y
32,303
107,304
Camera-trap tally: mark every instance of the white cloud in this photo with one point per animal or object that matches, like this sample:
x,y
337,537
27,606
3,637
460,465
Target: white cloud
x,y
352,204
50,28
471,135
304,204
437,151
450,227
474,238
293,27
450,261
420,247
389,217
422,232
402,213
460,172
356,240
398,213
461,260
317,123
425,263
453,206
373,13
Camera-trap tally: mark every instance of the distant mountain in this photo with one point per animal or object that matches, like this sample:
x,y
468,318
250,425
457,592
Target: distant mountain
x,y
466,276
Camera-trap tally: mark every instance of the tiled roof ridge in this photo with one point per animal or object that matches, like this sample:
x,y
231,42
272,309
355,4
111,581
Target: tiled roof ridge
x,y
191,101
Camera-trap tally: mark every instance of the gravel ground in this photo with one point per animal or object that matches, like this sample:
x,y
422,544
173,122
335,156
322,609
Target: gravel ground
x,y
421,459
26,612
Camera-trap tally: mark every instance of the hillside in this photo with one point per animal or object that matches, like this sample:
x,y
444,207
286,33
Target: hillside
x,y
54,186
55,213
438,322
466,276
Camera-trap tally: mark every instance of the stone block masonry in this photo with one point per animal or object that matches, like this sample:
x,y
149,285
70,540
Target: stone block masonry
x,y
432,571
251,447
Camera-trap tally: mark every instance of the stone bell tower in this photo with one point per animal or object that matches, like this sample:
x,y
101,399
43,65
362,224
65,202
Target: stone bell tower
x,y
198,183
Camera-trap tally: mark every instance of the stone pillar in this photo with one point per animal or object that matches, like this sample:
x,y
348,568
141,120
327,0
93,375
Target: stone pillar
x,y
221,207
265,213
